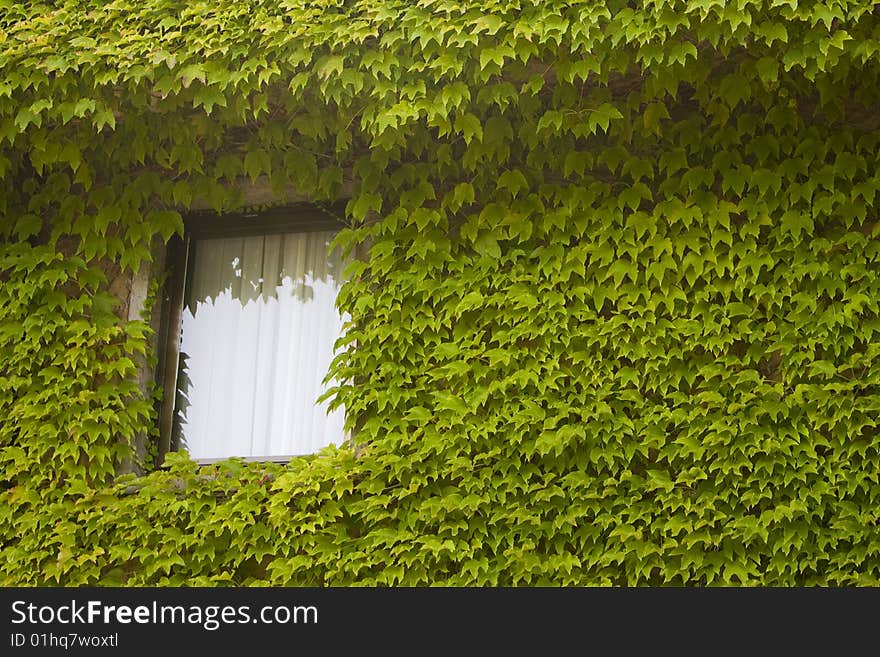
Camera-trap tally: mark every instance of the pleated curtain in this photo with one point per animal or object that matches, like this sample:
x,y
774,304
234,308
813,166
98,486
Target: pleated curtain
x,y
257,339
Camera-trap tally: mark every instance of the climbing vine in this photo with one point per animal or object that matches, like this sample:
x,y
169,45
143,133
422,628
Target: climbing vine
x,y
618,323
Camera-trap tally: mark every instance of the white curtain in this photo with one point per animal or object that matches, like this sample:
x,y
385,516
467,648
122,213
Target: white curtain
x,y
257,340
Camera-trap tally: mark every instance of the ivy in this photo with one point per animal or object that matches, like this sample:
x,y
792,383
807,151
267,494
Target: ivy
x,y
618,323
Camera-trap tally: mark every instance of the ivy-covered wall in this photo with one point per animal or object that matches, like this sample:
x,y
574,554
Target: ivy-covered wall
x,y
618,324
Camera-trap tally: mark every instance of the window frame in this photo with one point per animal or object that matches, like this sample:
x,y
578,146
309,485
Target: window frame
x,y
180,253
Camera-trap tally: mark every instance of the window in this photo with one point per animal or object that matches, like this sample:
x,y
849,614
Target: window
x,y
252,327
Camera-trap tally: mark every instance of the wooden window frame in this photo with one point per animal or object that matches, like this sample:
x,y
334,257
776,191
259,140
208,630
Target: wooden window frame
x,y
300,218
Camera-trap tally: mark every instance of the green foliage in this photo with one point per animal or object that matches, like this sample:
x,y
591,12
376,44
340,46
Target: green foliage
x,y
618,323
